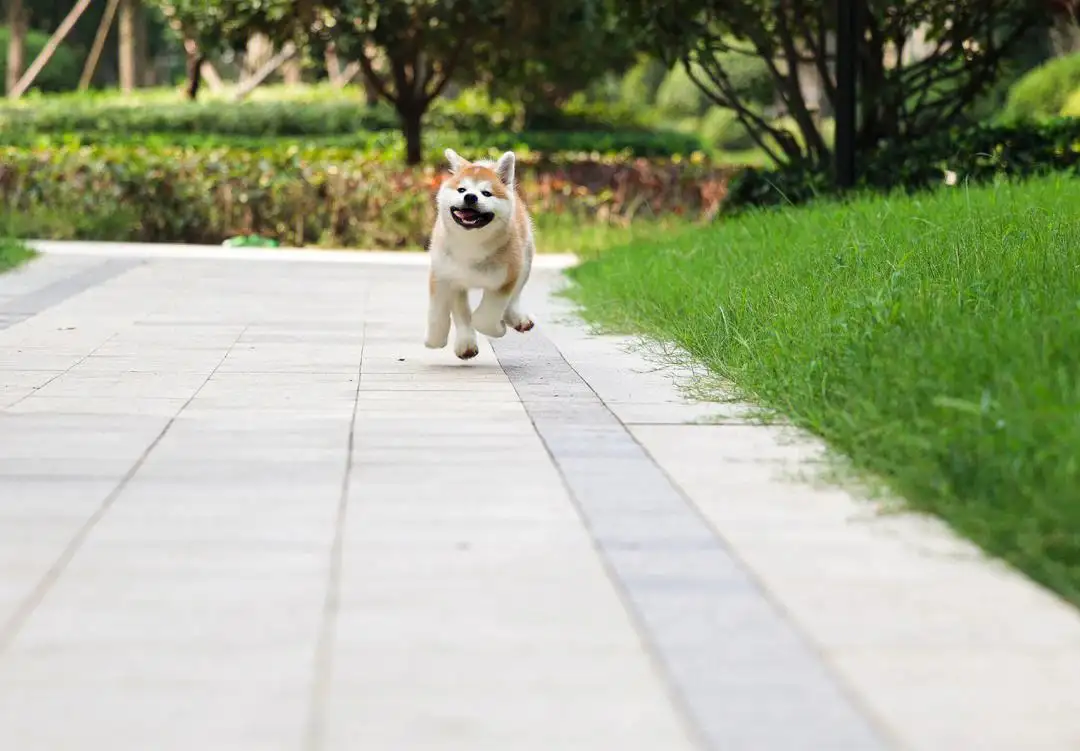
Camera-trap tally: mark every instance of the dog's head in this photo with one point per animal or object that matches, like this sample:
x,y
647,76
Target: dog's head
x,y
478,194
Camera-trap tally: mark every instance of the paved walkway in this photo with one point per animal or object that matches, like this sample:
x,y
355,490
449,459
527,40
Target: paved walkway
x,y
242,508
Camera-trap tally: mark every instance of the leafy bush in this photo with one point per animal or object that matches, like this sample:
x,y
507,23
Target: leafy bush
x,y
642,83
721,128
750,76
1044,91
327,196
249,118
59,74
389,146
1072,105
972,155
318,114
679,96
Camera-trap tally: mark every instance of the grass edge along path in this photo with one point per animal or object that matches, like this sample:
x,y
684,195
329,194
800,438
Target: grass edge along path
x,y
932,340
13,253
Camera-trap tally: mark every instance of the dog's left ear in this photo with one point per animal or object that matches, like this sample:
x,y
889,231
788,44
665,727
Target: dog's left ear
x,y
504,168
456,162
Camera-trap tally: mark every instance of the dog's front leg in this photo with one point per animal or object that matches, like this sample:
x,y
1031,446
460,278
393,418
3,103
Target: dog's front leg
x,y
488,318
464,333
438,328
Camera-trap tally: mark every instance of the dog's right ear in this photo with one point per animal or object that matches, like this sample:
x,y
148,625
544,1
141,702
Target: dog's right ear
x,y
456,162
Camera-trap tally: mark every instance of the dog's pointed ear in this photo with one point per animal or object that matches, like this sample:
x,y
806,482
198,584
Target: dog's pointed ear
x,y
504,168
456,162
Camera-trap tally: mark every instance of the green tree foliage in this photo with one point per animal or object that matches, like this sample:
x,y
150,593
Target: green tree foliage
x,y
546,52
969,44
640,86
409,50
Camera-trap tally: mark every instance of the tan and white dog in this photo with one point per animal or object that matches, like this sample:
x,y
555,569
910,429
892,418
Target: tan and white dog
x,y
482,239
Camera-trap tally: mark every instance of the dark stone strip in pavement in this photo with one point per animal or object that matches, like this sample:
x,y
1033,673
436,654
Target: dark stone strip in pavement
x,y
18,309
747,678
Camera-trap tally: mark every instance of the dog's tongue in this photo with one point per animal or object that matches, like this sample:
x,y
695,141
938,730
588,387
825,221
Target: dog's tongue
x,y
468,213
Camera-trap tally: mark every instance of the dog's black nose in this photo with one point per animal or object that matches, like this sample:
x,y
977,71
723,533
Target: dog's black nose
x,y
470,199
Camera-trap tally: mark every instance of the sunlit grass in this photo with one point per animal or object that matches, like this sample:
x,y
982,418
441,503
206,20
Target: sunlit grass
x,y
934,340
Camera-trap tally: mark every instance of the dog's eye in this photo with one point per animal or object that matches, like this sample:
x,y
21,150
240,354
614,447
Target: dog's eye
x,y
460,190
486,193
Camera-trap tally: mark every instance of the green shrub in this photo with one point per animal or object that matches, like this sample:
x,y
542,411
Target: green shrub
x,y
679,96
62,71
642,83
248,118
389,146
311,117
721,129
1044,91
973,155
1072,105
303,196
750,76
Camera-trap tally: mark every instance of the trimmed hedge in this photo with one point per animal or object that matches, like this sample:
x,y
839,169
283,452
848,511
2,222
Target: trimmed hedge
x,y
325,196
343,122
973,155
389,146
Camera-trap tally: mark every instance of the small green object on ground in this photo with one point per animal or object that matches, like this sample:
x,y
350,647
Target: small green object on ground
x,y
250,241
934,340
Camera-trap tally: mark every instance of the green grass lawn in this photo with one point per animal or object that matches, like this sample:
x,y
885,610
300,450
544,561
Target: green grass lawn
x,y
13,253
933,340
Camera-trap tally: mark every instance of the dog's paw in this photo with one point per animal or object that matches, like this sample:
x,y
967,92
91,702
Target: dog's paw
x,y
522,324
466,349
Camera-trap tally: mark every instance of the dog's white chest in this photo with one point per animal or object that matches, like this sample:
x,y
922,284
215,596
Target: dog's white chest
x,y
469,273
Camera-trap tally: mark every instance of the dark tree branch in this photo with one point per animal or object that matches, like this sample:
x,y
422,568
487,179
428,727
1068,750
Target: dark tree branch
x,y
374,78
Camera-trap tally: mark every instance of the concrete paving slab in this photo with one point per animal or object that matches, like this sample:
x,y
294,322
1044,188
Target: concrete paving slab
x,y
235,514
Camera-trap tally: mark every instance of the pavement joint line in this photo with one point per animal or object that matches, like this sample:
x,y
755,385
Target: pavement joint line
x,y
62,373
315,727
10,630
729,653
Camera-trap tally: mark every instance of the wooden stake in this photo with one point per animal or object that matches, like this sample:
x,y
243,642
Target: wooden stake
x,y
286,53
98,45
50,47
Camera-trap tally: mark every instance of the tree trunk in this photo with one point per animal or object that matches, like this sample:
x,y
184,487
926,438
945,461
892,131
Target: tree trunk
x,y
194,73
126,35
16,51
371,96
291,72
333,65
144,66
410,116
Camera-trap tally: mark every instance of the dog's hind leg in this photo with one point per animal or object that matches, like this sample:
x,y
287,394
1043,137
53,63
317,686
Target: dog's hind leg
x,y
514,317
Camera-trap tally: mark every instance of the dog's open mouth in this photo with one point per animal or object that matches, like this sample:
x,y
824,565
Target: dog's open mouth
x,y
471,218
